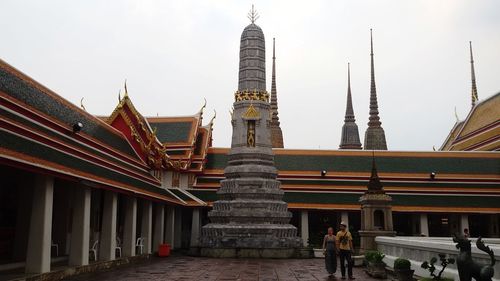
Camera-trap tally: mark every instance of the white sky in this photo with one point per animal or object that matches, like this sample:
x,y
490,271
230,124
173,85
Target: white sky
x,y
175,53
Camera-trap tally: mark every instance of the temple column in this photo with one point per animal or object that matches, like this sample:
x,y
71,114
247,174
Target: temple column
x,y
170,226
107,245
464,223
344,216
40,233
146,225
424,225
159,226
80,229
178,228
195,228
304,227
129,227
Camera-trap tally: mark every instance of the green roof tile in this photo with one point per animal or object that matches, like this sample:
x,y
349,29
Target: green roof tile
x,y
64,112
172,131
387,164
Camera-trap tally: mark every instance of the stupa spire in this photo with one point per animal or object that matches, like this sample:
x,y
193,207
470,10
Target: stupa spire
x,y
374,118
474,95
375,135
350,133
374,184
252,74
276,133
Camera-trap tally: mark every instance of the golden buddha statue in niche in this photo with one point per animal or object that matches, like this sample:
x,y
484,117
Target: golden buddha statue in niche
x,y
251,133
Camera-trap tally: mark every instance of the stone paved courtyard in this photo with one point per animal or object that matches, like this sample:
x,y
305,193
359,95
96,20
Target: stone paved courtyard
x,y
194,268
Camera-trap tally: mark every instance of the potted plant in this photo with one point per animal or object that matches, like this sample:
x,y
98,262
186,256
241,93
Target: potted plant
x,y
402,270
432,268
375,264
315,242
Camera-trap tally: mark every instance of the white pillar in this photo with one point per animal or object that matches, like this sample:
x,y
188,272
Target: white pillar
x,y
129,227
304,227
344,217
184,181
146,225
167,179
178,228
464,223
170,226
195,228
80,229
108,231
159,226
424,225
40,233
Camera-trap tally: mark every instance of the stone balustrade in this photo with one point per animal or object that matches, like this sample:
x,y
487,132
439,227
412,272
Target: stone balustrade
x,y
420,249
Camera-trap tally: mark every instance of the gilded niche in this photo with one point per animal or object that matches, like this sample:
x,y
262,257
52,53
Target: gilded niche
x,y
251,113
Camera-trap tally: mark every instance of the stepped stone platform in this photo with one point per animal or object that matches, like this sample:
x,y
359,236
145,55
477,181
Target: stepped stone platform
x,y
250,218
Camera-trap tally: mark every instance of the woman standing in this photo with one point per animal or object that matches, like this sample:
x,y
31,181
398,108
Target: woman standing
x,y
330,252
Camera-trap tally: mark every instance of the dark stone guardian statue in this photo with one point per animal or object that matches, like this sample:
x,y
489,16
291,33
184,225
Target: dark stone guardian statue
x,y
467,267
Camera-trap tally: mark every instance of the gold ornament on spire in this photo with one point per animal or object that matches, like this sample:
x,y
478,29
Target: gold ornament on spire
x,y
253,15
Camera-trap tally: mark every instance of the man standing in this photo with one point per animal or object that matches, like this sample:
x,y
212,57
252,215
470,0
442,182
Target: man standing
x,y
344,244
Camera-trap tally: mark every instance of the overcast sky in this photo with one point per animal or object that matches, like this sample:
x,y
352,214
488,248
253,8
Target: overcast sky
x,y
175,53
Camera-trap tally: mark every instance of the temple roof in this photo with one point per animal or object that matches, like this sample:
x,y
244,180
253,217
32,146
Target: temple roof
x,y
480,130
463,181
37,133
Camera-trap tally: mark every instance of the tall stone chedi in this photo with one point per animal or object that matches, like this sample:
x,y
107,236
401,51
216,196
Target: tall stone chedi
x,y
276,133
250,219
374,135
350,133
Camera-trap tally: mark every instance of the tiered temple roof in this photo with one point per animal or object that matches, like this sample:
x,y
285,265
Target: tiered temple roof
x,y
37,133
480,130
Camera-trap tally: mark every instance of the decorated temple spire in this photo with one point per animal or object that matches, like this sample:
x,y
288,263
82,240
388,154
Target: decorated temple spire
x,y
374,118
474,95
374,135
252,69
350,132
374,184
276,133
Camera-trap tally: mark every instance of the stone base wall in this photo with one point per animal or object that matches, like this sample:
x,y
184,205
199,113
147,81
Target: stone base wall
x,y
257,253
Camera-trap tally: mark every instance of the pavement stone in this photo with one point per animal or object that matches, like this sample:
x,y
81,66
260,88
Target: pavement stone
x,y
184,268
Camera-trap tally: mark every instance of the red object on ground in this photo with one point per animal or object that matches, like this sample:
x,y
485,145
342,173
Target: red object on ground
x,y
164,250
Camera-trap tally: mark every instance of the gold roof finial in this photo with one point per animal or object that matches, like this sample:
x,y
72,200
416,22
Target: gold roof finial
x,y
126,91
81,104
213,118
119,95
253,15
203,106
456,114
